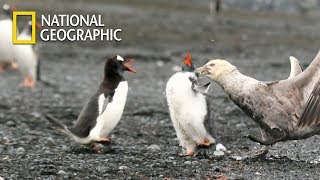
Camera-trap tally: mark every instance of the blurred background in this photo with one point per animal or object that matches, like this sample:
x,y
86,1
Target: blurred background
x,y
257,36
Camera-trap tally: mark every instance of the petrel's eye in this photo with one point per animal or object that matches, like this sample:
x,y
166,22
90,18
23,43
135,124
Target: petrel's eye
x,y
212,64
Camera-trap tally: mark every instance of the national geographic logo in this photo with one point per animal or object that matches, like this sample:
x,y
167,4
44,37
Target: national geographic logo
x,y
64,27
15,16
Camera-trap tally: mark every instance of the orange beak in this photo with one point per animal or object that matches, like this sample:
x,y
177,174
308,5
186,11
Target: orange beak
x,y
127,65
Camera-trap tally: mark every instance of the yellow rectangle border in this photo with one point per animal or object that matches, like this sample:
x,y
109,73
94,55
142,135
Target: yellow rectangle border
x,y
15,25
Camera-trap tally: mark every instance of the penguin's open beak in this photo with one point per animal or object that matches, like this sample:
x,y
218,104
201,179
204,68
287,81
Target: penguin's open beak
x,y
202,71
127,65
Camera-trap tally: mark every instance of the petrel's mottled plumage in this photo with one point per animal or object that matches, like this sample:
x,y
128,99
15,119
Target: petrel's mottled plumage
x,y
285,110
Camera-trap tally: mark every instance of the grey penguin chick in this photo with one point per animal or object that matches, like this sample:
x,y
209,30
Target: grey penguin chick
x,y
189,110
104,109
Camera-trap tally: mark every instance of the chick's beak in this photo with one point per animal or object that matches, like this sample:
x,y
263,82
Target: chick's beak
x,y
128,67
202,71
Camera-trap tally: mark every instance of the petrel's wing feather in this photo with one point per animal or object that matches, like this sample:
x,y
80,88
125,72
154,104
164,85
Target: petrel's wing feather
x,y
296,68
295,91
311,112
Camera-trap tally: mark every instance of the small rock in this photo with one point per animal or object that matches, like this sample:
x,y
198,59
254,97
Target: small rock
x,y
220,147
176,68
20,150
62,172
218,153
237,158
187,162
240,125
217,169
123,167
10,123
65,148
160,63
154,147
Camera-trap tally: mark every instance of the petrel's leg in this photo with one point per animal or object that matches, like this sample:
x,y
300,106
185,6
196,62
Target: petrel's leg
x,y
262,142
277,135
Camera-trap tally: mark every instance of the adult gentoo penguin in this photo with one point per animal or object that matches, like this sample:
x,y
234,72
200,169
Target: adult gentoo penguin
x,y
285,110
6,46
104,109
27,57
189,110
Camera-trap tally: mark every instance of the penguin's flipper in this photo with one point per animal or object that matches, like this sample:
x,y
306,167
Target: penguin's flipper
x,y
105,104
104,101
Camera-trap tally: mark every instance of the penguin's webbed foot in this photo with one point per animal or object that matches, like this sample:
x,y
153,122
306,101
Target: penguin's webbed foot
x,y
206,143
14,65
2,69
104,140
190,153
28,82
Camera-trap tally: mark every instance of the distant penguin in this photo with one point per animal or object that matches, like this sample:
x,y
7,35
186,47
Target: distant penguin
x,y
104,109
189,110
6,46
27,57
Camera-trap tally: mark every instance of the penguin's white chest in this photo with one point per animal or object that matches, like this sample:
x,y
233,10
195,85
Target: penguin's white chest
x,y
108,120
26,58
6,46
187,108
184,103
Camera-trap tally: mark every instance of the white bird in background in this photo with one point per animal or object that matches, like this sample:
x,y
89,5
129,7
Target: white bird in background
x,y
6,46
27,57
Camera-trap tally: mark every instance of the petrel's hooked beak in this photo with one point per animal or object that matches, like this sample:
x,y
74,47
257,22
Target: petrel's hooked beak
x,y
202,71
127,65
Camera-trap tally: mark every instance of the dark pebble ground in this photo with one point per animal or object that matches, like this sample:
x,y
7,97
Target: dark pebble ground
x,y
158,34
